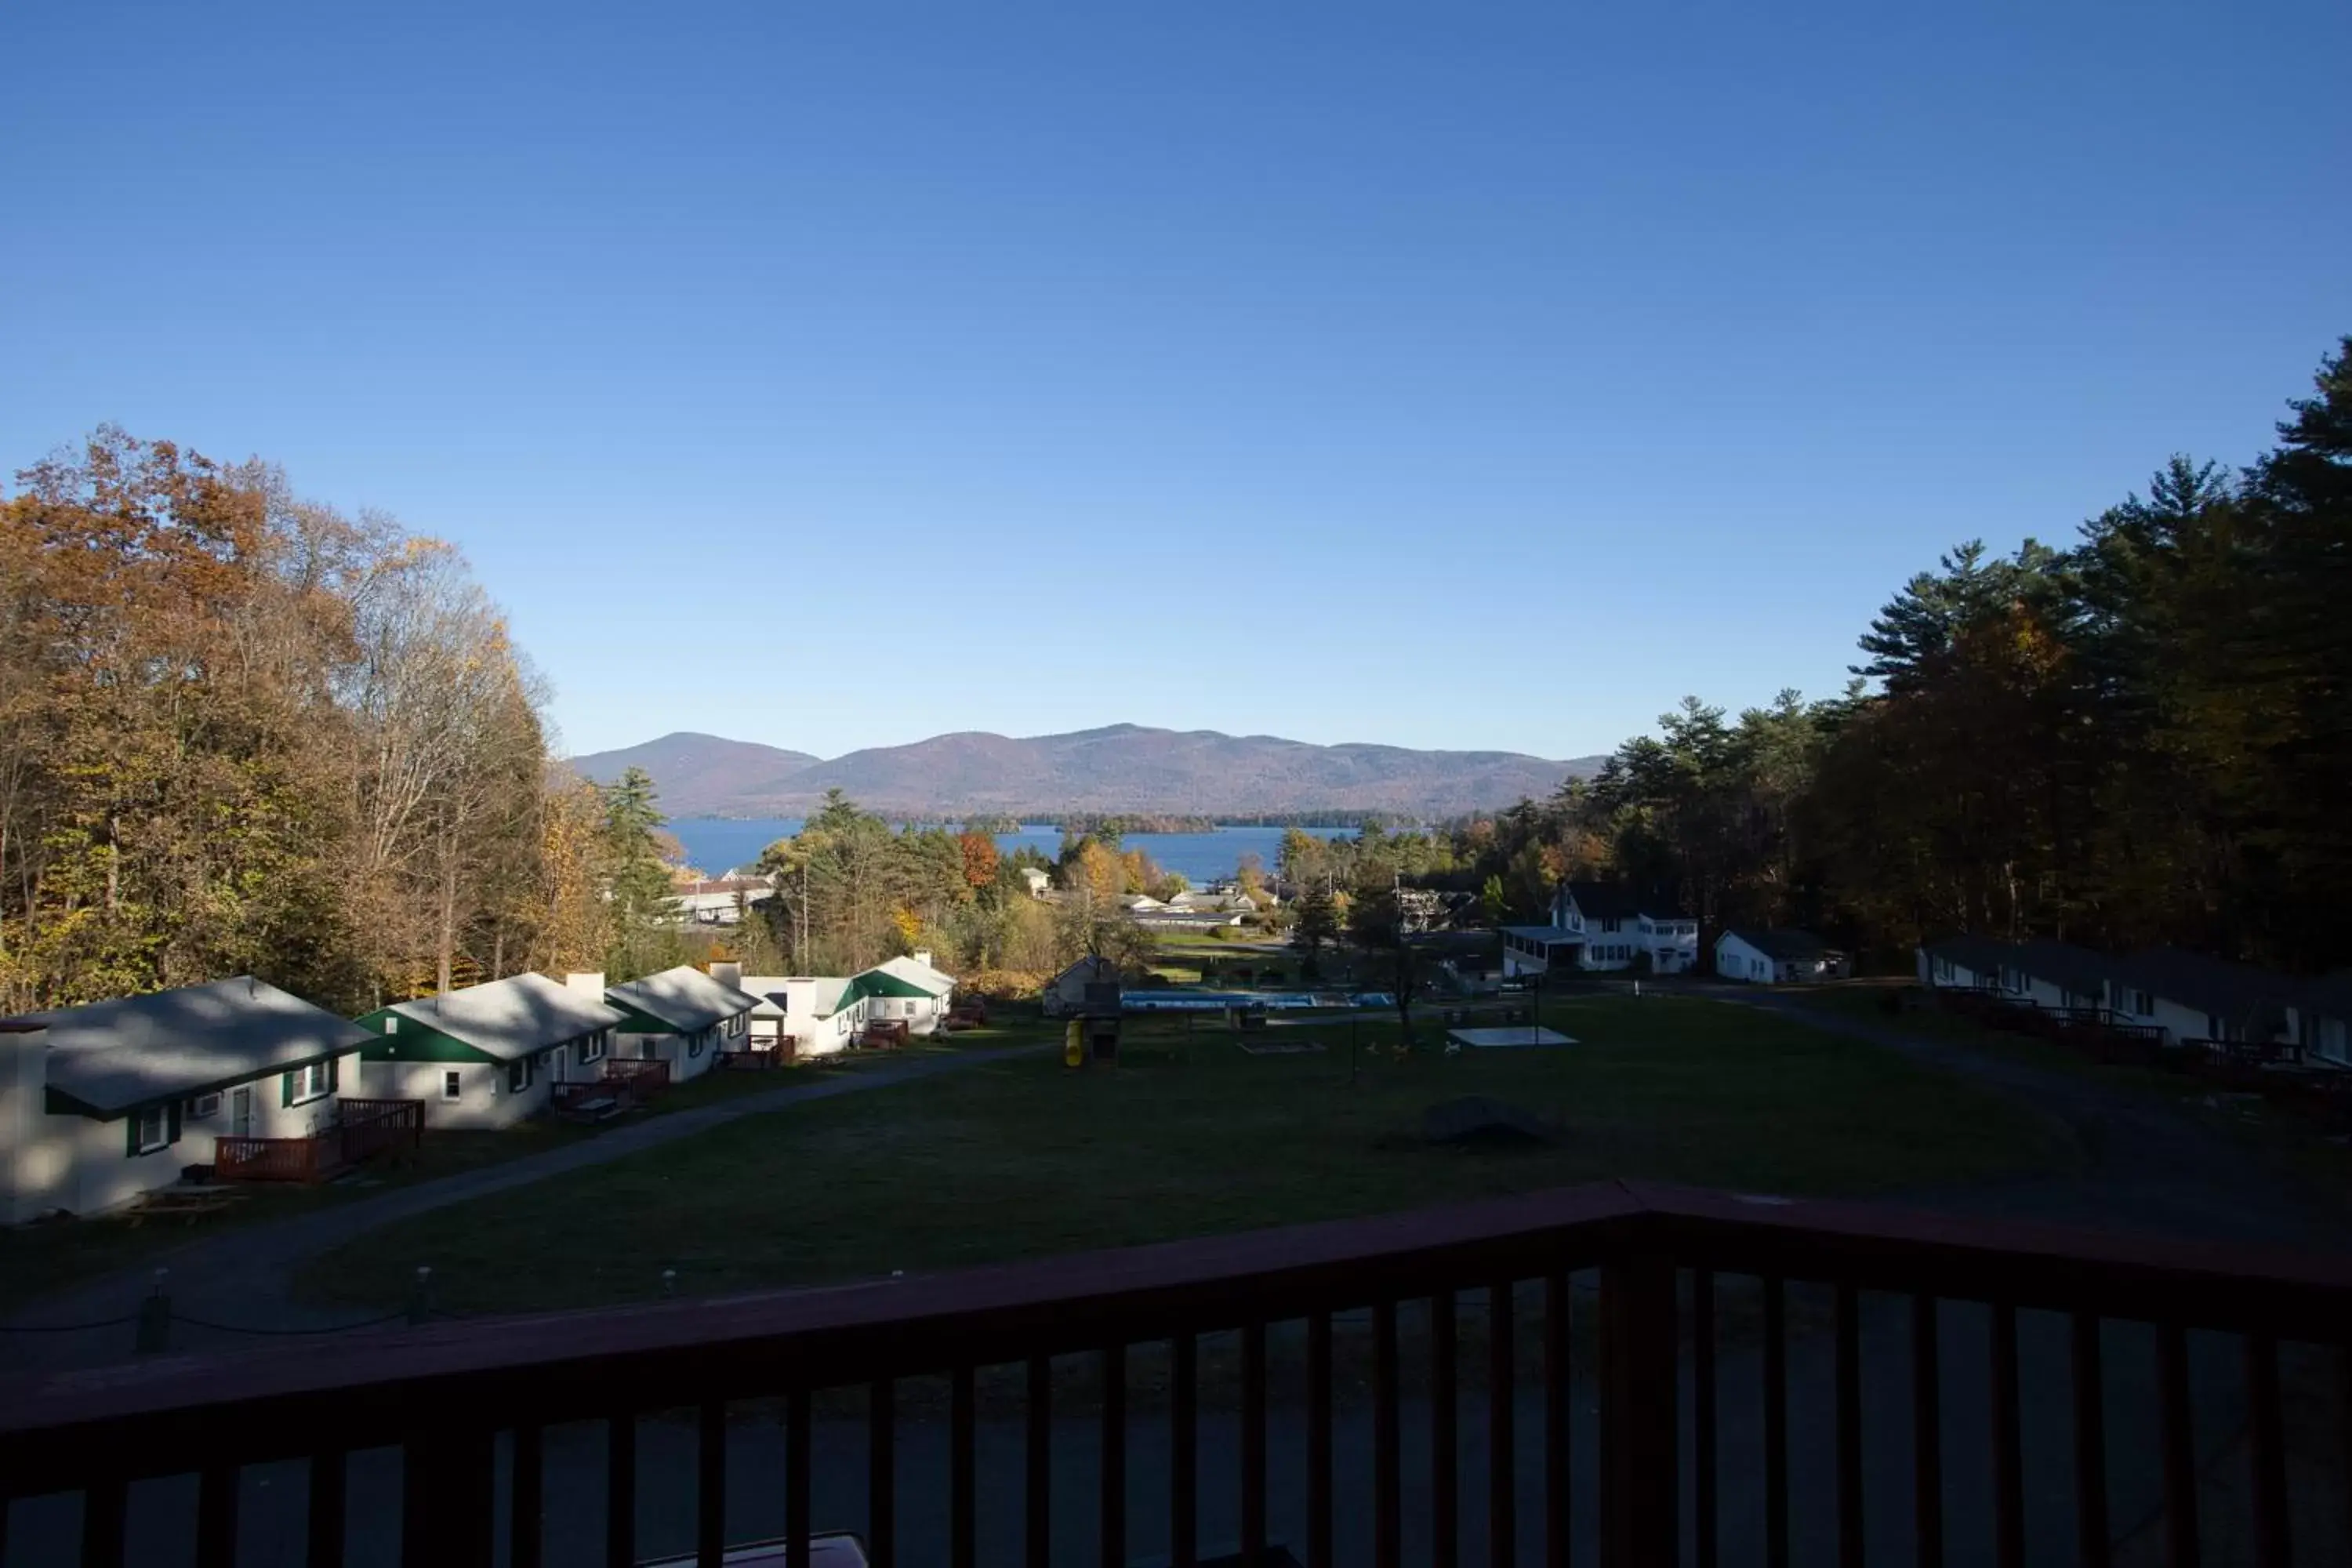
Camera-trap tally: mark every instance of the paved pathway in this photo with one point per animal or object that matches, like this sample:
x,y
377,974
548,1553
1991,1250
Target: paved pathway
x,y
245,1275
2147,1165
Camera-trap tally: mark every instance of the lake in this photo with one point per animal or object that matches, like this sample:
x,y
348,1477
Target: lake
x,y
717,845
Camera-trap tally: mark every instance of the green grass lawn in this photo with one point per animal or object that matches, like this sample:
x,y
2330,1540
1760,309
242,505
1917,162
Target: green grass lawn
x,y
2294,1139
1864,1002
51,1255
1024,1157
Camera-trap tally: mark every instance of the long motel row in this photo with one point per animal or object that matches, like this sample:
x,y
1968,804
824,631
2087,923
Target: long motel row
x,y
103,1104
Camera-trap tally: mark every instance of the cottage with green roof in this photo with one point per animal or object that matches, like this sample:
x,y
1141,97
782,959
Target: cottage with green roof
x,y
821,1014
488,1054
681,1016
102,1104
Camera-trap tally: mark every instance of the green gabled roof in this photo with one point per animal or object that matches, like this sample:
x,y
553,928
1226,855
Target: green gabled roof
x,y
878,982
413,1042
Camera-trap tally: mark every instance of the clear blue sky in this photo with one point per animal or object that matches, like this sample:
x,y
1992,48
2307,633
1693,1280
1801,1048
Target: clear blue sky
x,y
1442,375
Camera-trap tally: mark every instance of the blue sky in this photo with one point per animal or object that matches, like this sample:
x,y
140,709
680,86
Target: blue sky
x,y
1442,375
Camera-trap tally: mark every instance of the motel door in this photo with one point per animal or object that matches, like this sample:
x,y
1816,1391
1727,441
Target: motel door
x,y
240,1114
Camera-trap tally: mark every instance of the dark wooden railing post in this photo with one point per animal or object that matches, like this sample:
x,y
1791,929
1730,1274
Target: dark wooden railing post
x,y
1926,1436
1184,1451
1640,1397
1703,1446
1444,1440
1558,1517
2008,1443
447,1479
882,1473
322,1524
710,1484
621,1490
1114,1456
1502,1467
1388,1465
2092,1547
2178,1435
1037,1467
523,1510
2266,1443
102,1509
799,1463
216,1517
1776,1425
963,1481
1318,1446
1253,1444
1848,1328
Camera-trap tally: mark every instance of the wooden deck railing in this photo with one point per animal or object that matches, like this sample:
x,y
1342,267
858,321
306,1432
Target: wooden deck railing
x,y
642,1077
447,1394
240,1158
363,1128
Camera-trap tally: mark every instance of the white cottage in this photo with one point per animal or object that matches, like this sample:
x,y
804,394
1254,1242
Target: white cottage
x,y
490,1055
681,1016
101,1103
1776,956
821,1013
1091,981
908,991
1596,926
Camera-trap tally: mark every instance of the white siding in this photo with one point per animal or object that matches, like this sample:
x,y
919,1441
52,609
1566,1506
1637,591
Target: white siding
x,y
83,1166
1735,960
484,1100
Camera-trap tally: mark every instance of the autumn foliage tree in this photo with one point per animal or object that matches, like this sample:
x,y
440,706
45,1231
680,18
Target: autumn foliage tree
x,y
240,732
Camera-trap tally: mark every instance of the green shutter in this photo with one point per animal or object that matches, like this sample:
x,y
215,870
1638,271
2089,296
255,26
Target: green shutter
x,y
285,1089
334,1073
172,1122
131,1134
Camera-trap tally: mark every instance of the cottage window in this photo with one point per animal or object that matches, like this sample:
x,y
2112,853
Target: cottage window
x,y
305,1084
694,1042
203,1105
453,1084
149,1130
591,1049
519,1076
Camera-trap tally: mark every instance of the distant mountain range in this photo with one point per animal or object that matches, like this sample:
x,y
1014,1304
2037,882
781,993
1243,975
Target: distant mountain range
x,y
1125,767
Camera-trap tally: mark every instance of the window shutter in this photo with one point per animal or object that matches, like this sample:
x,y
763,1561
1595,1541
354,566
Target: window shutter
x,y
285,1089
334,1073
130,1145
172,1122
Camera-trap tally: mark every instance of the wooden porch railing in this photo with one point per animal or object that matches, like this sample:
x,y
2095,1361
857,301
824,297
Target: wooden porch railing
x,y
642,1077
240,1158
1663,1258
363,1130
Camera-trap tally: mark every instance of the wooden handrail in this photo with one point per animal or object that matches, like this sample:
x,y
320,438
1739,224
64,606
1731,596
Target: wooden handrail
x,y
61,1429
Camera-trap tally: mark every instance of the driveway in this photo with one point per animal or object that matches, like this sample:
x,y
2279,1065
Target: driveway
x,y
2149,1166
245,1276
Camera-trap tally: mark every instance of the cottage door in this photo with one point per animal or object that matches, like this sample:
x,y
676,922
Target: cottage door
x,y
240,1112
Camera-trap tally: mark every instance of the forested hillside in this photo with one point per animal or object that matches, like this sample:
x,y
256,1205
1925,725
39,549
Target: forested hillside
x,y
2144,736
243,732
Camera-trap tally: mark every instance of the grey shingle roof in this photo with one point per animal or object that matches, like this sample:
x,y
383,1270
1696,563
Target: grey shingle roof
x,y
2248,997
1607,901
1980,953
1786,944
514,1018
2062,963
684,998
112,1056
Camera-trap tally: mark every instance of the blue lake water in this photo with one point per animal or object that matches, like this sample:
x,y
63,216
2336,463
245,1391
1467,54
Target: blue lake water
x,y
715,845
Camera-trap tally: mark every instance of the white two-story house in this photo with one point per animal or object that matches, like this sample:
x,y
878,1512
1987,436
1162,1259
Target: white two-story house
x,y
1597,926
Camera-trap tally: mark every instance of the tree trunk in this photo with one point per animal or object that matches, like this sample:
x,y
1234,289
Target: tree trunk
x,y
447,939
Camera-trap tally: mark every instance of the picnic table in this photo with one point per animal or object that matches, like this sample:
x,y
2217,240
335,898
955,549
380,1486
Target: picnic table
x,y
188,1206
